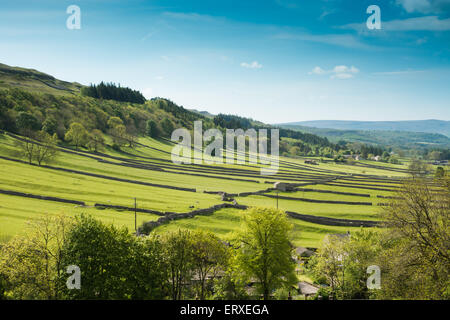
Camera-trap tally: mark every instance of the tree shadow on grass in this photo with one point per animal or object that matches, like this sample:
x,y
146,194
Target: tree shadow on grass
x,y
165,141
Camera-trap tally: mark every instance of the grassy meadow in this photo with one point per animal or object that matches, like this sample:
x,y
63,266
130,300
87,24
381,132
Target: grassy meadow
x,y
117,177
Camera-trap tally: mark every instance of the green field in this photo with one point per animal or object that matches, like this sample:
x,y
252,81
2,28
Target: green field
x,y
150,163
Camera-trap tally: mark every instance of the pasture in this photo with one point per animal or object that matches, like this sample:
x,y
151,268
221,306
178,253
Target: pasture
x,y
115,178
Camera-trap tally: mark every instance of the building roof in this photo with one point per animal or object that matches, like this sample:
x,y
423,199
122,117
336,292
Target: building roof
x,y
305,252
307,288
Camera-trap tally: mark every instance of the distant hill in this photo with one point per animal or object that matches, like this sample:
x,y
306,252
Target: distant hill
x,y
400,139
430,126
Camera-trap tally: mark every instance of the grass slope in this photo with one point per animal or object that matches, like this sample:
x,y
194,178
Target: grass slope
x,y
153,156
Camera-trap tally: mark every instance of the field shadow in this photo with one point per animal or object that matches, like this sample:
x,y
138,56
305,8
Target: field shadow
x,y
165,141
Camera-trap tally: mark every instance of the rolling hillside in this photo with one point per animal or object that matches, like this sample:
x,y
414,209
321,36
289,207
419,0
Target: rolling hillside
x,y
325,198
399,139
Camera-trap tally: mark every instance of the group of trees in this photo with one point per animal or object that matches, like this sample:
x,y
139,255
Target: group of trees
x,y
412,250
417,167
185,117
232,122
111,91
427,152
296,143
119,133
295,148
22,111
116,264
366,150
39,145
438,154
78,136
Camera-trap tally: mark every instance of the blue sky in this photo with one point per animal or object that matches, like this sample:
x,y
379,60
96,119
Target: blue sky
x,y
275,60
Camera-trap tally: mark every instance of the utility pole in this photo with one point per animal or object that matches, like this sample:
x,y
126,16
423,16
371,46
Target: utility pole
x,y
277,199
135,216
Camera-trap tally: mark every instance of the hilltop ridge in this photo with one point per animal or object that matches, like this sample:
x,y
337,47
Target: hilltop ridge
x,y
35,81
428,126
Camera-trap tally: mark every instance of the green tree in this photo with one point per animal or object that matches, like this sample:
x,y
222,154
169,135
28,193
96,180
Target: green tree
x,y
264,251
96,141
30,264
179,261
114,122
294,151
209,256
118,131
329,262
77,134
119,134
167,126
418,167
342,260
147,273
231,286
152,129
435,155
3,286
440,173
394,160
114,264
50,125
362,251
7,120
27,123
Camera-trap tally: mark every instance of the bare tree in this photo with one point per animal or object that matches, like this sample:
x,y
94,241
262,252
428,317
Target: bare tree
x,y
45,150
26,148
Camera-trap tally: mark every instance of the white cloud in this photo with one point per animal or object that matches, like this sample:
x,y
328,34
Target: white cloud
x,y
338,72
192,16
345,69
341,76
159,78
425,6
396,73
414,5
427,23
252,65
317,70
326,13
341,40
